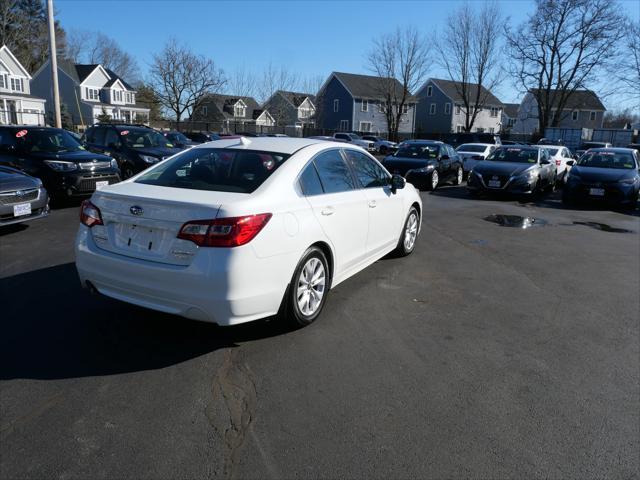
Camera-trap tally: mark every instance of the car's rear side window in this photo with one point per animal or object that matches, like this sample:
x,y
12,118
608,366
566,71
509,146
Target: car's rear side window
x,y
334,172
215,169
96,136
310,181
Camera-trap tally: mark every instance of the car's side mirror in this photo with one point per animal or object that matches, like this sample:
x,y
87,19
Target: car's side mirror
x,y
397,182
571,162
544,161
444,157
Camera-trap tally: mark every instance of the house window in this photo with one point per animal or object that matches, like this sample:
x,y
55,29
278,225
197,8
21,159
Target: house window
x,y
365,127
365,106
458,110
405,109
204,111
480,130
382,108
592,116
239,110
91,93
117,95
17,85
492,130
494,111
4,81
344,125
336,105
432,109
459,128
429,91
574,115
447,108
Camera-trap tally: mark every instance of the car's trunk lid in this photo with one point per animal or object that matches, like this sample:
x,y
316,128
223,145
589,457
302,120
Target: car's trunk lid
x,y
143,221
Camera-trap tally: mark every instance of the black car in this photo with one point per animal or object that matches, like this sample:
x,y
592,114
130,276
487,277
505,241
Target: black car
x,y
55,157
135,147
514,169
608,175
202,137
179,140
426,163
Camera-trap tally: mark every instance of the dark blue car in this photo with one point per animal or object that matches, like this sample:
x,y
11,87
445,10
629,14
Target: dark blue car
x,y
606,175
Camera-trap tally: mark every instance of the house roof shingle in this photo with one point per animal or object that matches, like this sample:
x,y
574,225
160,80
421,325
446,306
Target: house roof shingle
x,y
452,90
225,103
296,98
368,86
79,73
578,100
511,109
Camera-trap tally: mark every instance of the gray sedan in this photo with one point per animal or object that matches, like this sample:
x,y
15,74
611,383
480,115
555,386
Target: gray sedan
x,y
22,197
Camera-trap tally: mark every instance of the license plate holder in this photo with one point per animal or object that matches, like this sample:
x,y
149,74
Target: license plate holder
x,y
494,183
596,192
21,209
101,184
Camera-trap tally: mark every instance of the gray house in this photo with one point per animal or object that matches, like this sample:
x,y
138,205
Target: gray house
x,y
231,112
583,109
350,102
89,91
17,105
441,108
509,116
292,108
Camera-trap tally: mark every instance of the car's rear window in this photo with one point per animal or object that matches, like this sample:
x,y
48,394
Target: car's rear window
x,y
215,169
471,148
607,160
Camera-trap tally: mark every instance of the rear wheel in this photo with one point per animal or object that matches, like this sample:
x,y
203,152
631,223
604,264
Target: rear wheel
x,y
383,150
459,176
407,241
308,289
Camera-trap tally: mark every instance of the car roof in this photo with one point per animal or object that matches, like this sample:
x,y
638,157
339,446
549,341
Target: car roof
x,y
478,144
550,146
288,145
427,142
613,149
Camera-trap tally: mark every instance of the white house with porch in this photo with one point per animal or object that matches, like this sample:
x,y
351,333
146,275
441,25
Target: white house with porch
x,y
91,91
17,105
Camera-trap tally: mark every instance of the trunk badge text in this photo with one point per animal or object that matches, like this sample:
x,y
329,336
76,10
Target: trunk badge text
x,y
135,210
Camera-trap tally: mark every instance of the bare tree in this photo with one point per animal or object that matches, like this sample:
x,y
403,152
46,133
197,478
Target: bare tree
x,y
311,84
628,69
241,82
180,78
468,51
274,78
400,61
95,47
561,48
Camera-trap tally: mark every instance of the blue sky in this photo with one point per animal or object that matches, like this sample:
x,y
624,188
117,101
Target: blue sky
x,y
309,37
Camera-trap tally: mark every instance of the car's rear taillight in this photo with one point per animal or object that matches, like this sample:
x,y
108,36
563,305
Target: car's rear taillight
x,y
90,214
558,162
224,232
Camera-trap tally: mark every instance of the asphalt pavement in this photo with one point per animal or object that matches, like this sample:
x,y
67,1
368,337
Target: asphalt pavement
x,y
491,352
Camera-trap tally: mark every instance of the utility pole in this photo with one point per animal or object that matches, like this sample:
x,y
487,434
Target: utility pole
x,y
54,65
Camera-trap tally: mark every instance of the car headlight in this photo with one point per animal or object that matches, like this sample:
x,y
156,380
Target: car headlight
x,y
629,181
424,169
149,159
60,166
527,176
114,164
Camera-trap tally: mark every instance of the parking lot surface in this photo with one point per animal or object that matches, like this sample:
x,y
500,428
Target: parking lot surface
x,y
490,352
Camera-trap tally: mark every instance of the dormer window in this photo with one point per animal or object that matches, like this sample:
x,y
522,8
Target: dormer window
x,y
117,95
17,85
92,93
4,80
429,91
239,109
130,97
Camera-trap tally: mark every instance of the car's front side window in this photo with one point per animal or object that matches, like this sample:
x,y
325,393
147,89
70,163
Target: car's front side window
x,y
368,172
334,172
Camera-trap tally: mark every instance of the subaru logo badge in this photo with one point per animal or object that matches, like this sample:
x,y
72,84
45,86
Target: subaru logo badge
x,y
20,193
135,210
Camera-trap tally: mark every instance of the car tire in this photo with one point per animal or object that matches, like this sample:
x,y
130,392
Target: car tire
x,y
127,171
409,235
383,150
459,176
302,305
551,187
566,199
434,180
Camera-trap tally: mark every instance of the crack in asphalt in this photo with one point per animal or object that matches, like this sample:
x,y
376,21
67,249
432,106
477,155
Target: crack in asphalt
x,y
233,407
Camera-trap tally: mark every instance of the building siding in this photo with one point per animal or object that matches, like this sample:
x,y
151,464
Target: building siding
x,y
324,109
438,123
378,119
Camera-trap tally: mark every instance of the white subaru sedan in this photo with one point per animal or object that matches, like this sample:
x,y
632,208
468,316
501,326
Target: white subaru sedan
x,y
235,230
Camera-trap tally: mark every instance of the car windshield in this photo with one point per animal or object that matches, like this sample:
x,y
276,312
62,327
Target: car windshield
x,y
48,141
215,169
144,138
353,136
514,155
176,137
552,151
621,160
471,148
417,150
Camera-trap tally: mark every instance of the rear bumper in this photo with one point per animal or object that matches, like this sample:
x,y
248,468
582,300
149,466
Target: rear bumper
x,y
223,286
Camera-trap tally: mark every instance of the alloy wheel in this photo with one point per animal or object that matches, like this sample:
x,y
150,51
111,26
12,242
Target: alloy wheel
x,y
460,175
434,180
311,286
411,231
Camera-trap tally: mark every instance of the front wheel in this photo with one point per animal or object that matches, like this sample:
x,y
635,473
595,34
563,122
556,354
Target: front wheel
x,y
383,150
308,289
409,235
127,171
435,179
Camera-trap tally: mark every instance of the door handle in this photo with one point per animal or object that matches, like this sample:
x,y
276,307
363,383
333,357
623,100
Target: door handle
x,y
372,204
327,211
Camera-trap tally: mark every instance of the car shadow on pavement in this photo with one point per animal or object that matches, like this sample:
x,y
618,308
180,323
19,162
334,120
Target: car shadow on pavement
x,y
51,328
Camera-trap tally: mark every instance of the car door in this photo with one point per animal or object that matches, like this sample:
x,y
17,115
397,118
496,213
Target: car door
x,y
547,165
444,163
384,207
8,154
113,145
94,139
341,209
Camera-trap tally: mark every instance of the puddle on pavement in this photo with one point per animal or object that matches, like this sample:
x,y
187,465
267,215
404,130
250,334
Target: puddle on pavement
x,y
516,221
604,227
